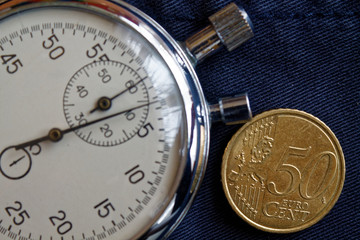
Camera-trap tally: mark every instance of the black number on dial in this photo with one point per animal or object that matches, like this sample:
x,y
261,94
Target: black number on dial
x,y
12,63
95,50
82,91
104,208
131,86
55,51
81,118
144,131
105,129
62,226
21,214
104,75
135,175
35,149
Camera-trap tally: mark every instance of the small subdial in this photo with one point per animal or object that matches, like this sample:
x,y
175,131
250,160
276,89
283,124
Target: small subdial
x,y
101,89
15,164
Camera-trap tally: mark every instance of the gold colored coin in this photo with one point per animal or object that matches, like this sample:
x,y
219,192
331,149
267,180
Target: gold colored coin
x,y
283,171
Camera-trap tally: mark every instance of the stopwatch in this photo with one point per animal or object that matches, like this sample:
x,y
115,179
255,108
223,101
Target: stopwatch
x,y
104,129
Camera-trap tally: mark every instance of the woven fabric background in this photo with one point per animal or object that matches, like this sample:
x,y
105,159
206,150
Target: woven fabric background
x,y
305,55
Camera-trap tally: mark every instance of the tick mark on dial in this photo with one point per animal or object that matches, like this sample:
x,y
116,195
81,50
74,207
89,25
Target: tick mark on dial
x,y
122,71
125,134
86,73
88,137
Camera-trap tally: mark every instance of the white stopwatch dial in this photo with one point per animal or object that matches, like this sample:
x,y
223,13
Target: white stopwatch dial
x,y
99,126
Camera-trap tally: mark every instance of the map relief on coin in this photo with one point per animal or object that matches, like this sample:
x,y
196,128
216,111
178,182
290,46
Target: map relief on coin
x,y
283,171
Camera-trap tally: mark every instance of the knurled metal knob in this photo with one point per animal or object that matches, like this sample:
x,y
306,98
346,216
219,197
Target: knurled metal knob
x,y
230,27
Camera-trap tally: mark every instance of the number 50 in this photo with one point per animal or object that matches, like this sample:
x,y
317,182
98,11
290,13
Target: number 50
x,y
309,176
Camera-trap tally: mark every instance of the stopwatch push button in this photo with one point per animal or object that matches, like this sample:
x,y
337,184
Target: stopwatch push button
x,y
231,110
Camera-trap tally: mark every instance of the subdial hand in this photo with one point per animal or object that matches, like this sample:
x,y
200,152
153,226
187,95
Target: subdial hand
x,y
16,161
104,103
56,134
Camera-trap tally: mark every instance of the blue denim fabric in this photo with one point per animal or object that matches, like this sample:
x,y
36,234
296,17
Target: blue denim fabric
x,y
305,55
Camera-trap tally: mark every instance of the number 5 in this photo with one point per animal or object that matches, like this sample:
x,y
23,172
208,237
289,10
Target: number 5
x,y
294,173
144,131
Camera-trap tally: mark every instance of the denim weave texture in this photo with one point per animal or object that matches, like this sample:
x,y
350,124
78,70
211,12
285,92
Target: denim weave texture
x,y
305,55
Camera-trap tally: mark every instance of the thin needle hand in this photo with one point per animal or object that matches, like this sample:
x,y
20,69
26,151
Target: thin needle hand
x,y
56,134
16,161
104,103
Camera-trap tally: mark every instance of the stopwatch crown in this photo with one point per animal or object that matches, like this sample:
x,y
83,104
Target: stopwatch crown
x,y
232,25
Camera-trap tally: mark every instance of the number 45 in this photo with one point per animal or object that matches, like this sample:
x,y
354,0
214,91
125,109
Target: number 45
x,y
303,179
12,63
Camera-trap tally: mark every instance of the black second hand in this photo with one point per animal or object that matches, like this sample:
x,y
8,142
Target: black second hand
x,y
63,132
119,94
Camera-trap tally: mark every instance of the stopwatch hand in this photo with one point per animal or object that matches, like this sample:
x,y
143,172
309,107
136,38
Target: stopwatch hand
x,y
56,134
104,103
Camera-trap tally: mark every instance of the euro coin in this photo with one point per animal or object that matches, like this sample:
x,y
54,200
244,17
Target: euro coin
x,y
283,171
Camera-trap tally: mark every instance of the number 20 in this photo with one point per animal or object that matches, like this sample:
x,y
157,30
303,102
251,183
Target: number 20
x,y
64,226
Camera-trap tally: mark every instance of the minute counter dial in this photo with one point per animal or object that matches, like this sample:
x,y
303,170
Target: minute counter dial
x,y
106,86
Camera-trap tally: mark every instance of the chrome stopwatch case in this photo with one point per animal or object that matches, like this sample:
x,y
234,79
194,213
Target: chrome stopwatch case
x,y
104,129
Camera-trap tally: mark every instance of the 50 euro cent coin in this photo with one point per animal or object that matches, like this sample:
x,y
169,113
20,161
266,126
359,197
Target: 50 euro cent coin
x,y
283,171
